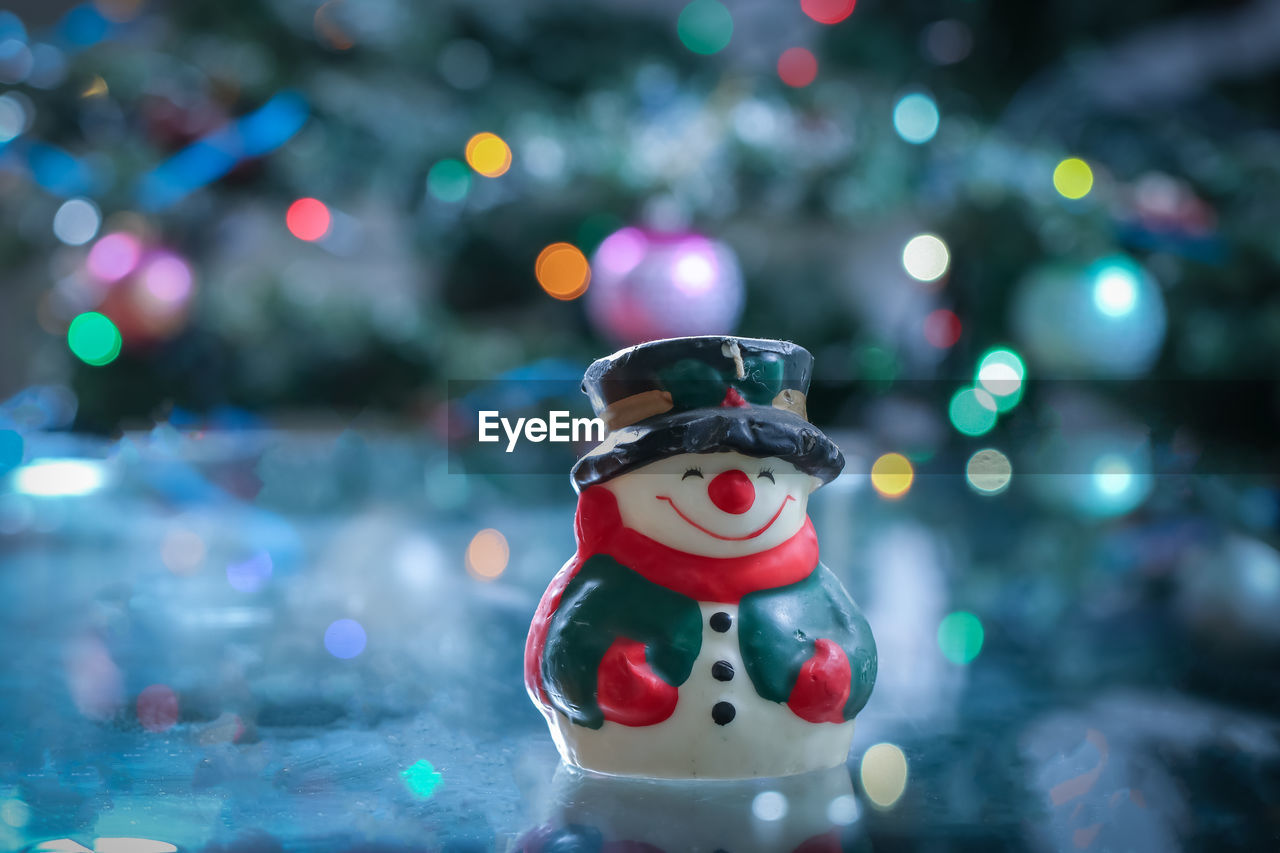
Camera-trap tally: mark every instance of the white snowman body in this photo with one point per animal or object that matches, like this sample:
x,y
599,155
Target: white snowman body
x,y
721,727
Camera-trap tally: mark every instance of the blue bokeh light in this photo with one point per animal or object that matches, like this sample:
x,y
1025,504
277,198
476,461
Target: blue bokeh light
x,y
916,118
345,638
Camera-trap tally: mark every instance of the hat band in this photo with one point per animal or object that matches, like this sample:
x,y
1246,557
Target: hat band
x,y
637,407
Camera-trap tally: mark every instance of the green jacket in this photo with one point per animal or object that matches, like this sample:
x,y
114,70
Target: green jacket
x,y
777,629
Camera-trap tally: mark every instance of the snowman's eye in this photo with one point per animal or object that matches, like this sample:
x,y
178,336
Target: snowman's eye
x,y
766,472
692,472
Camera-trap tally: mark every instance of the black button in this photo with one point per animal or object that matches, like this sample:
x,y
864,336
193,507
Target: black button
x,y
722,670
721,621
723,713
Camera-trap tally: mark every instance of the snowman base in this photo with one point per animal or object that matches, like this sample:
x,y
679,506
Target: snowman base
x,y
686,748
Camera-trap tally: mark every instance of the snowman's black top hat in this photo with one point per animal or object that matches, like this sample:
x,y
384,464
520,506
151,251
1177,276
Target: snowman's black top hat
x,y
702,395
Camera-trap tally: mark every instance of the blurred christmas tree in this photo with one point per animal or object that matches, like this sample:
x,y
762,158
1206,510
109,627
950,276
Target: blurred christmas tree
x,y
1101,181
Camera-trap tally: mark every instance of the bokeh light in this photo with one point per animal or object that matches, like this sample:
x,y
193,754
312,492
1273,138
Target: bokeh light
x,y
488,154
705,26
1000,373
94,339
16,61
942,328
770,806
960,637
797,67
59,477
843,810
421,778
182,551
828,11
167,278
77,221
1112,475
621,252
925,257
487,555
989,471
1115,287
972,411
562,271
892,474
449,181
308,219
884,774
345,639
13,117
113,257
915,118
252,574
157,708
1073,178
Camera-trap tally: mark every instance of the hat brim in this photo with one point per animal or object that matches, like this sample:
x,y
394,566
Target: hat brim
x,y
755,431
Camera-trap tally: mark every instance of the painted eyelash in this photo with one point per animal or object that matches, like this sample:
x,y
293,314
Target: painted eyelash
x,y
766,472
692,472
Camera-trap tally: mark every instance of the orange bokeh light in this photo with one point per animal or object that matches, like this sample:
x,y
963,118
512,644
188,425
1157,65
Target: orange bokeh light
x,y
487,555
562,271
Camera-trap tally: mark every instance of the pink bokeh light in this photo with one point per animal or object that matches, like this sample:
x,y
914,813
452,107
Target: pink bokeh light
x,y
113,257
167,277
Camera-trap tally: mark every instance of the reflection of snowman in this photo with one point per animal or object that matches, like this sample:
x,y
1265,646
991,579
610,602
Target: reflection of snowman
x,y
807,813
694,633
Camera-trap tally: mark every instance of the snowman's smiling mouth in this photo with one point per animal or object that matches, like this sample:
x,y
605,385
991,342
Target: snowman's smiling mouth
x,y
752,535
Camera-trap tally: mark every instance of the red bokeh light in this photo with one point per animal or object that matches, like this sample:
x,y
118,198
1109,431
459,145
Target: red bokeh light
x,y
308,219
828,11
797,67
942,328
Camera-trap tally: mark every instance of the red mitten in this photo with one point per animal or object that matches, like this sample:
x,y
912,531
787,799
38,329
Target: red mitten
x,y
628,690
823,685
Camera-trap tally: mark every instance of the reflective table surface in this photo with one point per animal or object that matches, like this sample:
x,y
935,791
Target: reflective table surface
x,y
311,641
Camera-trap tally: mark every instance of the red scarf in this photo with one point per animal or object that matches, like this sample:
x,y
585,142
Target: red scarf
x,y
599,530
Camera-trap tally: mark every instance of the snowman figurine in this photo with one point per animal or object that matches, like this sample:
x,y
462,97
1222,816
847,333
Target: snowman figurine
x,y
694,634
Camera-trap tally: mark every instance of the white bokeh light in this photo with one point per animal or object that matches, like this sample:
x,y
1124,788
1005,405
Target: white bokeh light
x,y
77,221
925,257
1115,291
769,805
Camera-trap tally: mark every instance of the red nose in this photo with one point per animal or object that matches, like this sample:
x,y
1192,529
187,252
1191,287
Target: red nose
x,y
732,492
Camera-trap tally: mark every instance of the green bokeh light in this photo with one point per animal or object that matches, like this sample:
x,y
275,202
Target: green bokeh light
x,y
705,26
421,778
1002,373
94,339
972,411
960,637
449,181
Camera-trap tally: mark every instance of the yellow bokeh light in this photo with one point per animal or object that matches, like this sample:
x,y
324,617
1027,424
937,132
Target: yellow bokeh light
x,y
884,774
487,555
488,154
1073,178
891,475
563,271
